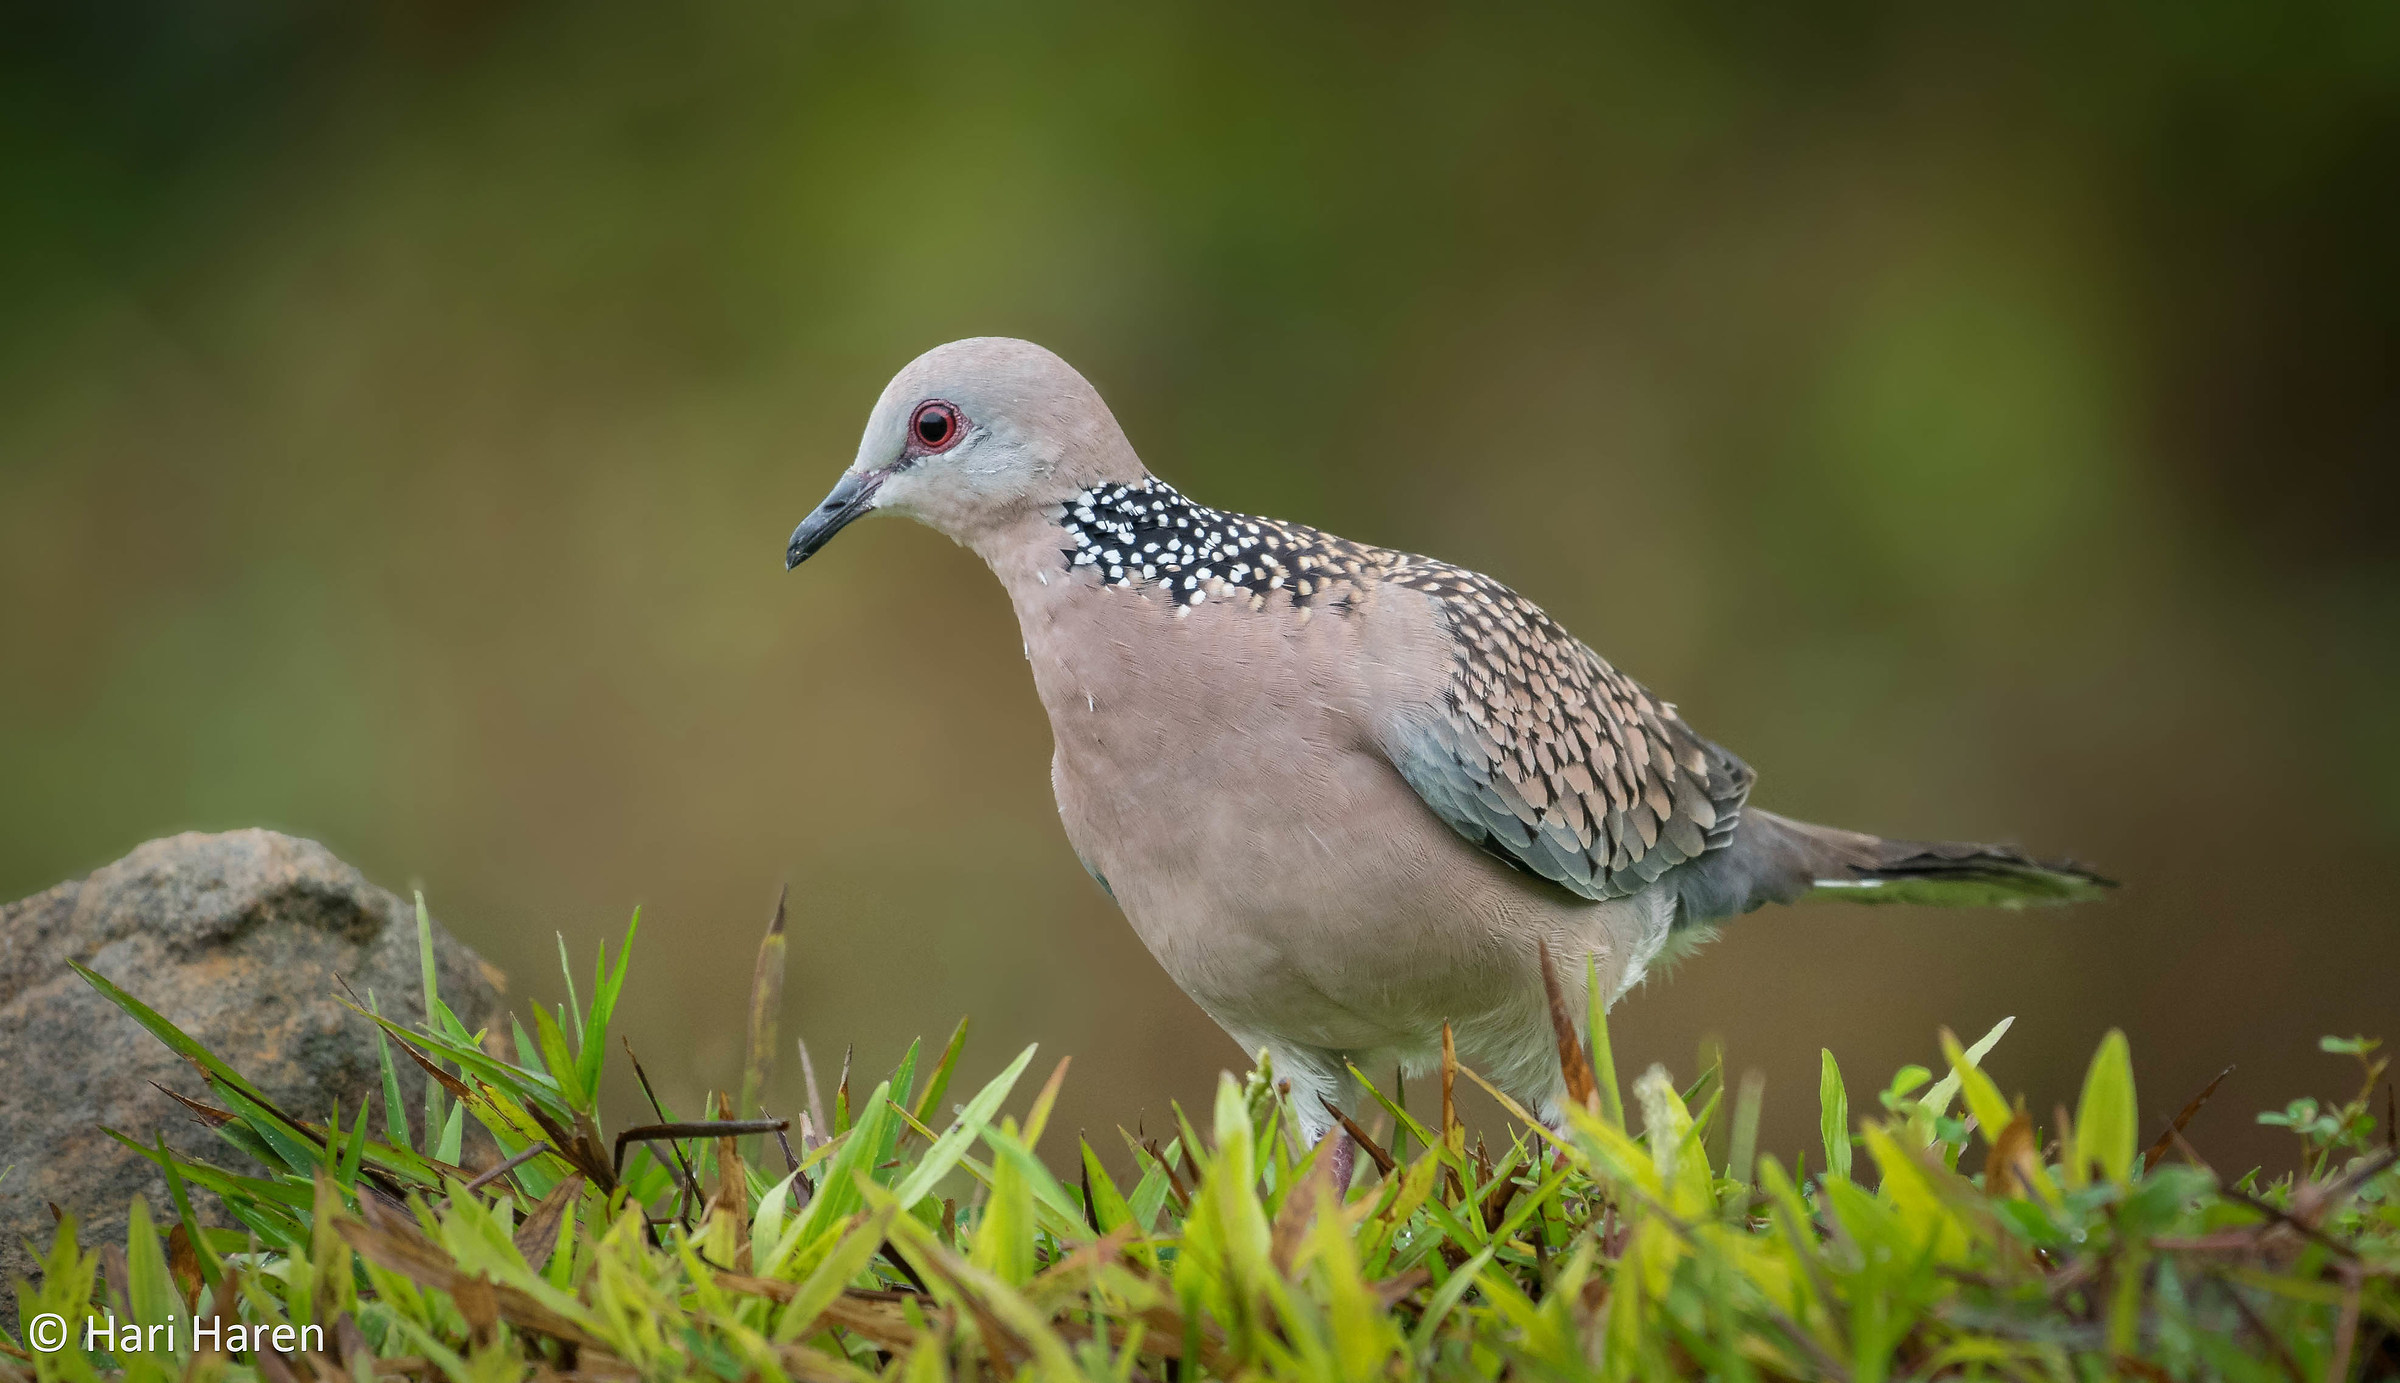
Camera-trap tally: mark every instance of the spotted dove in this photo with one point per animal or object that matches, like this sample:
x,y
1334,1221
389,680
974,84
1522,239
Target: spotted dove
x,y
1344,794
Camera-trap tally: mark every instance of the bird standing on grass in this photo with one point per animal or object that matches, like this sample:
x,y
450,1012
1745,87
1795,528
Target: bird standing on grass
x,y
1344,794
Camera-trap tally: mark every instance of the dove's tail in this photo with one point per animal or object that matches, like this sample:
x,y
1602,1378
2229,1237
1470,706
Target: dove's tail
x,y
1774,859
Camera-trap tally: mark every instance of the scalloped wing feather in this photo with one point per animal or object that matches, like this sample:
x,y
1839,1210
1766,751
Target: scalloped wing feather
x,y
1544,755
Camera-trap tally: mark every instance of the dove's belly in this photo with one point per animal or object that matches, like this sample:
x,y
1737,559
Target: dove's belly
x,y
1227,789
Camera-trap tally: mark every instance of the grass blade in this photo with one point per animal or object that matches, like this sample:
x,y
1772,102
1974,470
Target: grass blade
x,y
433,1003
929,1104
608,984
574,1005
2106,1119
766,1007
395,1111
940,1158
1604,1058
1833,1115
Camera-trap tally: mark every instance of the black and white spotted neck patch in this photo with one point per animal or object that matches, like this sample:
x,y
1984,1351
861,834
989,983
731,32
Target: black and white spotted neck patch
x,y
1148,537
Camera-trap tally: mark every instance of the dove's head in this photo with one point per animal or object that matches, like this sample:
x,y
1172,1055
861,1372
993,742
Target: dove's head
x,y
970,439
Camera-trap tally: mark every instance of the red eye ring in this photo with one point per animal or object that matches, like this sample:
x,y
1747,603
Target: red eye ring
x,y
935,426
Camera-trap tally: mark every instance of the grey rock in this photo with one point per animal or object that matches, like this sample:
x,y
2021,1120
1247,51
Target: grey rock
x,y
236,938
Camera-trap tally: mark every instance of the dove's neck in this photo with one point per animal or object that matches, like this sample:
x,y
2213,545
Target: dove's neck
x,y
1031,542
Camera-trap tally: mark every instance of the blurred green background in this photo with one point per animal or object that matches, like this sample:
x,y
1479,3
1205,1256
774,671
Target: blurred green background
x,y
1978,420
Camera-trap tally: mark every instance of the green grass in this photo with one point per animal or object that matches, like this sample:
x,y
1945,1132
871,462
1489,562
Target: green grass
x,y
909,1237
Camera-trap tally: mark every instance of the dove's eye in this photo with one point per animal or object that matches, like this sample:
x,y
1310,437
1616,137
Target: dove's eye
x,y
936,427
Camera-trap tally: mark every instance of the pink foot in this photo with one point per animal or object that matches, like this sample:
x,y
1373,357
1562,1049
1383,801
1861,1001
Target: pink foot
x,y
1343,1158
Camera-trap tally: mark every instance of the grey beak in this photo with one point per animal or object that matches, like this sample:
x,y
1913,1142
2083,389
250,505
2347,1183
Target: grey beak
x,y
849,499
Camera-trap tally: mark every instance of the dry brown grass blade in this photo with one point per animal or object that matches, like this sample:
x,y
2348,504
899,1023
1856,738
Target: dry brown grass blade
x,y
1162,1335
580,1151
392,1241
480,1305
183,1265
882,1323
818,1127
588,1150
208,1114
1003,1347
814,1366
221,1299
2009,1169
1394,1290
275,1366
1454,1134
457,1088
537,1237
1582,1086
766,1006
879,1319
115,1272
731,1197
2166,1141
1374,1151
350,1343
374,1180
1299,1209
1496,1201
499,1170
1450,1087
791,1159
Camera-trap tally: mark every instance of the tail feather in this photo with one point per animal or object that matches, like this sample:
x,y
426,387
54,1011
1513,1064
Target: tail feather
x,y
1774,859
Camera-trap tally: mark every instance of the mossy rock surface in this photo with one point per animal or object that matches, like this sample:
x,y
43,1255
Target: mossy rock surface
x,y
238,939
